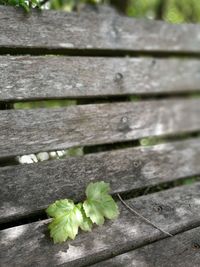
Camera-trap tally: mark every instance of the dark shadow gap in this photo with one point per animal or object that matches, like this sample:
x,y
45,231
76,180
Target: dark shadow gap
x,y
10,161
138,97
39,51
148,141
86,150
6,105
71,101
29,218
159,187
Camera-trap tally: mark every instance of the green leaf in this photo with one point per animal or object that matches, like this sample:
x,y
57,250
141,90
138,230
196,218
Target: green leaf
x,y
67,218
99,203
60,207
86,224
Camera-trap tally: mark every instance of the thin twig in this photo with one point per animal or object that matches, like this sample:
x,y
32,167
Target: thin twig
x,y
142,217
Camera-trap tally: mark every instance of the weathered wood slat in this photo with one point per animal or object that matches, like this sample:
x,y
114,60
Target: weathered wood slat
x,y
23,77
102,30
182,249
27,131
125,170
30,245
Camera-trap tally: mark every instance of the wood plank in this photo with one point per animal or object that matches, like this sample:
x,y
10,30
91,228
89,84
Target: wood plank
x,y
127,169
30,245
102,30
23,77
27,131
180,250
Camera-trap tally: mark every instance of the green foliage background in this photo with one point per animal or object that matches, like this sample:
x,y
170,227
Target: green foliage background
x,y
174,11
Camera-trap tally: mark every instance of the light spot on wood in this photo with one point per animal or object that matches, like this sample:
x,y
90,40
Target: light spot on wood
x,y
10,209
161,147
9,86
181,211
66,45
130,227
159,129
72,253
196,201
149,170
14,233
79,85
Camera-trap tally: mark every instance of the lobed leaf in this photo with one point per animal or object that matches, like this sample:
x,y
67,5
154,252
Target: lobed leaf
x,y
86,224
67,218
99,203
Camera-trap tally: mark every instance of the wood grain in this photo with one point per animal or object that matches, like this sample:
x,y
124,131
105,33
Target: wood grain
x,y
23,77
127,169
174,210
181,249
102,29
27,131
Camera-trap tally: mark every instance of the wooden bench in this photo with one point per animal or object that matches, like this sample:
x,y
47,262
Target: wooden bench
x,y
132,79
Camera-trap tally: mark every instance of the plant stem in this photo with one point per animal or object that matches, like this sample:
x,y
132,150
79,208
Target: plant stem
x,y
142,217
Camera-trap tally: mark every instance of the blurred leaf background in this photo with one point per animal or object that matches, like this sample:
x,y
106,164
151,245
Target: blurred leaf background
x,y
173,11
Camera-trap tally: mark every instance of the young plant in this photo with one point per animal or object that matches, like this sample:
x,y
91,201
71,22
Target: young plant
x,y
68,217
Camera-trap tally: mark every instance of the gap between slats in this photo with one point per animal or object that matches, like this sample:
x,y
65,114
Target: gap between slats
x,y
86,150
41,51
66,102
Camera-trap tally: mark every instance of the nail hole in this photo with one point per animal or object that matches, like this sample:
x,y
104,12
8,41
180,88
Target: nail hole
x,y
196,246
118,77
136,164
158,208
124,119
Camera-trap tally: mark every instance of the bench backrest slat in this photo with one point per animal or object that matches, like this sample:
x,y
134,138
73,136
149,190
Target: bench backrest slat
x,y
46,77
27,131
102,30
